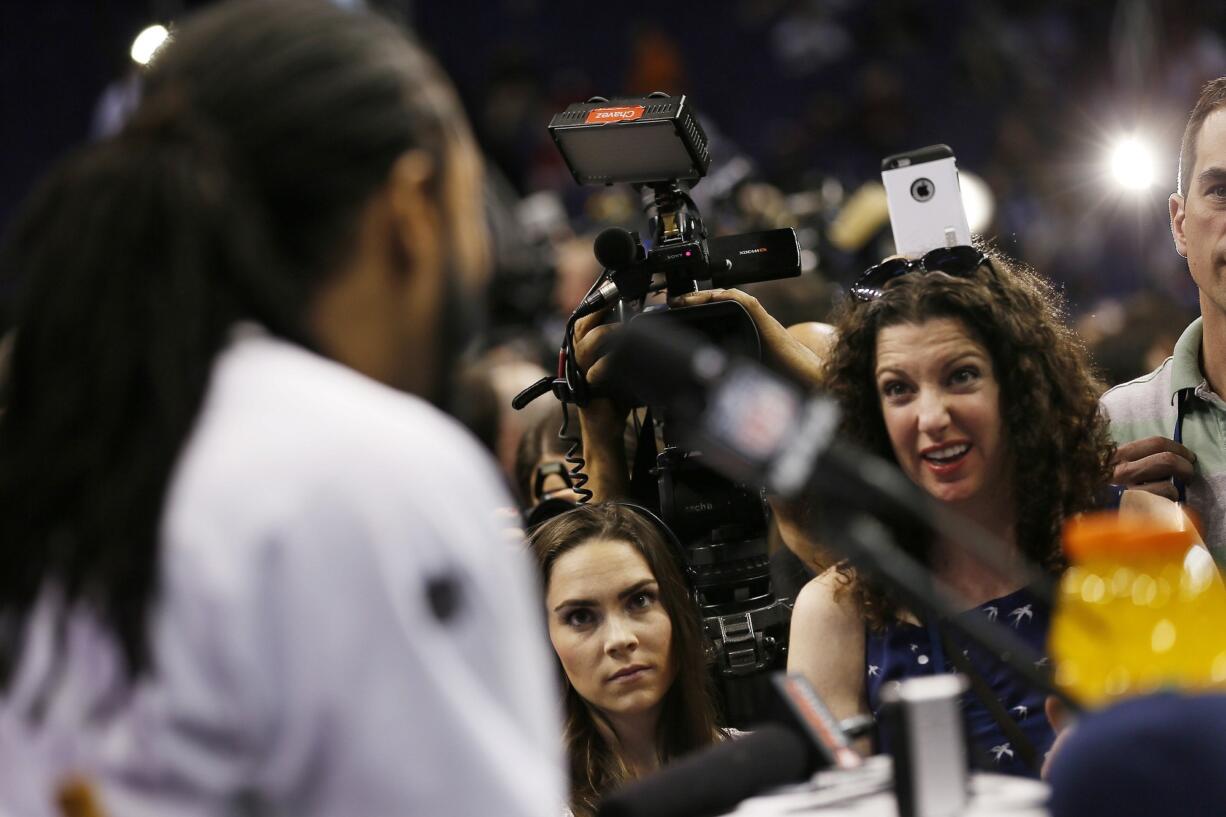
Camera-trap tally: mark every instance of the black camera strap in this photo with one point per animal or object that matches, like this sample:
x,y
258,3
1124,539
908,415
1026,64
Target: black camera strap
x,y
983,691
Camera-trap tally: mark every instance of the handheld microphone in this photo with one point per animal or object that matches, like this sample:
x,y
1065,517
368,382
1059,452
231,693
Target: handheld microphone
x,y
798,705
715,779
801,738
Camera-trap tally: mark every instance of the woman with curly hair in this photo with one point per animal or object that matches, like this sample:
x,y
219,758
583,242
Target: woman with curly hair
x,y
630,644
959,368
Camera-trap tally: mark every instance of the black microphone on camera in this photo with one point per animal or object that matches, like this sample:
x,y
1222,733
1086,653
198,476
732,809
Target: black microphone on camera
x,y
620,252
617,249
725,261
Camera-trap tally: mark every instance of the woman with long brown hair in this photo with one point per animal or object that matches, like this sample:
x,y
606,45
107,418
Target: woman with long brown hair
x,y
630,644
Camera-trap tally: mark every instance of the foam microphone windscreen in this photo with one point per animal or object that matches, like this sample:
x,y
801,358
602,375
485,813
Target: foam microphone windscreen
x,y
615,248
714,780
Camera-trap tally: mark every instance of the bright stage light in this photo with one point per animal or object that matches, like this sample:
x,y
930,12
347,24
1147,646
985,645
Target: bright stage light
x,y
1132,164
977,200
147,43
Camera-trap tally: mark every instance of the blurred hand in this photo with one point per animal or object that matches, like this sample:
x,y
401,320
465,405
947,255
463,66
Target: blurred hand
x,y
796,354
592,341
1149,465
781,349
602,422
1062,723
1146,508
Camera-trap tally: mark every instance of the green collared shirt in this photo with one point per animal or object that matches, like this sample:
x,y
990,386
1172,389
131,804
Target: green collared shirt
x,y
1148,407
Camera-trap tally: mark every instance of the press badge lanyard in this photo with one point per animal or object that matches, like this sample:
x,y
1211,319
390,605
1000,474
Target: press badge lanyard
x,y
1181,400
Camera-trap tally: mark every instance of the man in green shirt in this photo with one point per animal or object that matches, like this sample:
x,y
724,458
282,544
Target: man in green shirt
x,y
1171,423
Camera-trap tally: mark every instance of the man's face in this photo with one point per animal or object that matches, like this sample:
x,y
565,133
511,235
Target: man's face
x,y
439,300
463,202
466,266
1198,218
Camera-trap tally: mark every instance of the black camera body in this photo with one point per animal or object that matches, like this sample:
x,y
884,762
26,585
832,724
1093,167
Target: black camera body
x,y
657,144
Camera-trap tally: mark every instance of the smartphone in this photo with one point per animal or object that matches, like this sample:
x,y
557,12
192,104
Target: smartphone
x,y
925,200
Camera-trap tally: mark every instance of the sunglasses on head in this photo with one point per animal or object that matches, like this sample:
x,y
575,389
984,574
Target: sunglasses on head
x,y
959,261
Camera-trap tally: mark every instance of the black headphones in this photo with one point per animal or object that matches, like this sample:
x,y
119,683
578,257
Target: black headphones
x,y
550,508
546,509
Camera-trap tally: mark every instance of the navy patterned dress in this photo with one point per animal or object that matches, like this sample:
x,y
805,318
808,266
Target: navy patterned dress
x,y
906,651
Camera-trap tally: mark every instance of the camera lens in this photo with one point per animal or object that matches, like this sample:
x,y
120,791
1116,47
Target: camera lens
x,y
922,189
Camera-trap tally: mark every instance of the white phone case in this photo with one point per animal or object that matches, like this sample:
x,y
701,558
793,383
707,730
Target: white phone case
x,y
925,202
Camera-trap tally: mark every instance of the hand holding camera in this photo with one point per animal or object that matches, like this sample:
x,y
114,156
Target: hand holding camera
x,y
782,350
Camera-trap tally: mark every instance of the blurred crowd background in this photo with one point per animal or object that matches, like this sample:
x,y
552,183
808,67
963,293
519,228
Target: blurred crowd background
x,y
1065,116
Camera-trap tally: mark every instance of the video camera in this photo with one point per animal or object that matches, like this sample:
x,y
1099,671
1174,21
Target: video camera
x,y
657,144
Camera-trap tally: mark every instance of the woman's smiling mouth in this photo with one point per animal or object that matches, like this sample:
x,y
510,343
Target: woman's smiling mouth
x,y
946,457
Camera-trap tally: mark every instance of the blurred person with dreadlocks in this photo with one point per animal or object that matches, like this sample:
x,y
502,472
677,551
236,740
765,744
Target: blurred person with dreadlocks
x,y
235,574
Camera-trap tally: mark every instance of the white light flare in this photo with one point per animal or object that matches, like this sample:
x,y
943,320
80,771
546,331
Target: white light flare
x,y
977,201
1132,164
147,43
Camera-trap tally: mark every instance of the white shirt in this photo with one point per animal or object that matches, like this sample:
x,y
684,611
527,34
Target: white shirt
x,y
304,666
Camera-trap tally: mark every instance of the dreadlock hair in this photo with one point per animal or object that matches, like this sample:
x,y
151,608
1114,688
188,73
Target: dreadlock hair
x,y
232,195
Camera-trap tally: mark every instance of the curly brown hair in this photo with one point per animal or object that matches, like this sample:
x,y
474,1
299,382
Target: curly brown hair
x,y
689,718
1057,438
